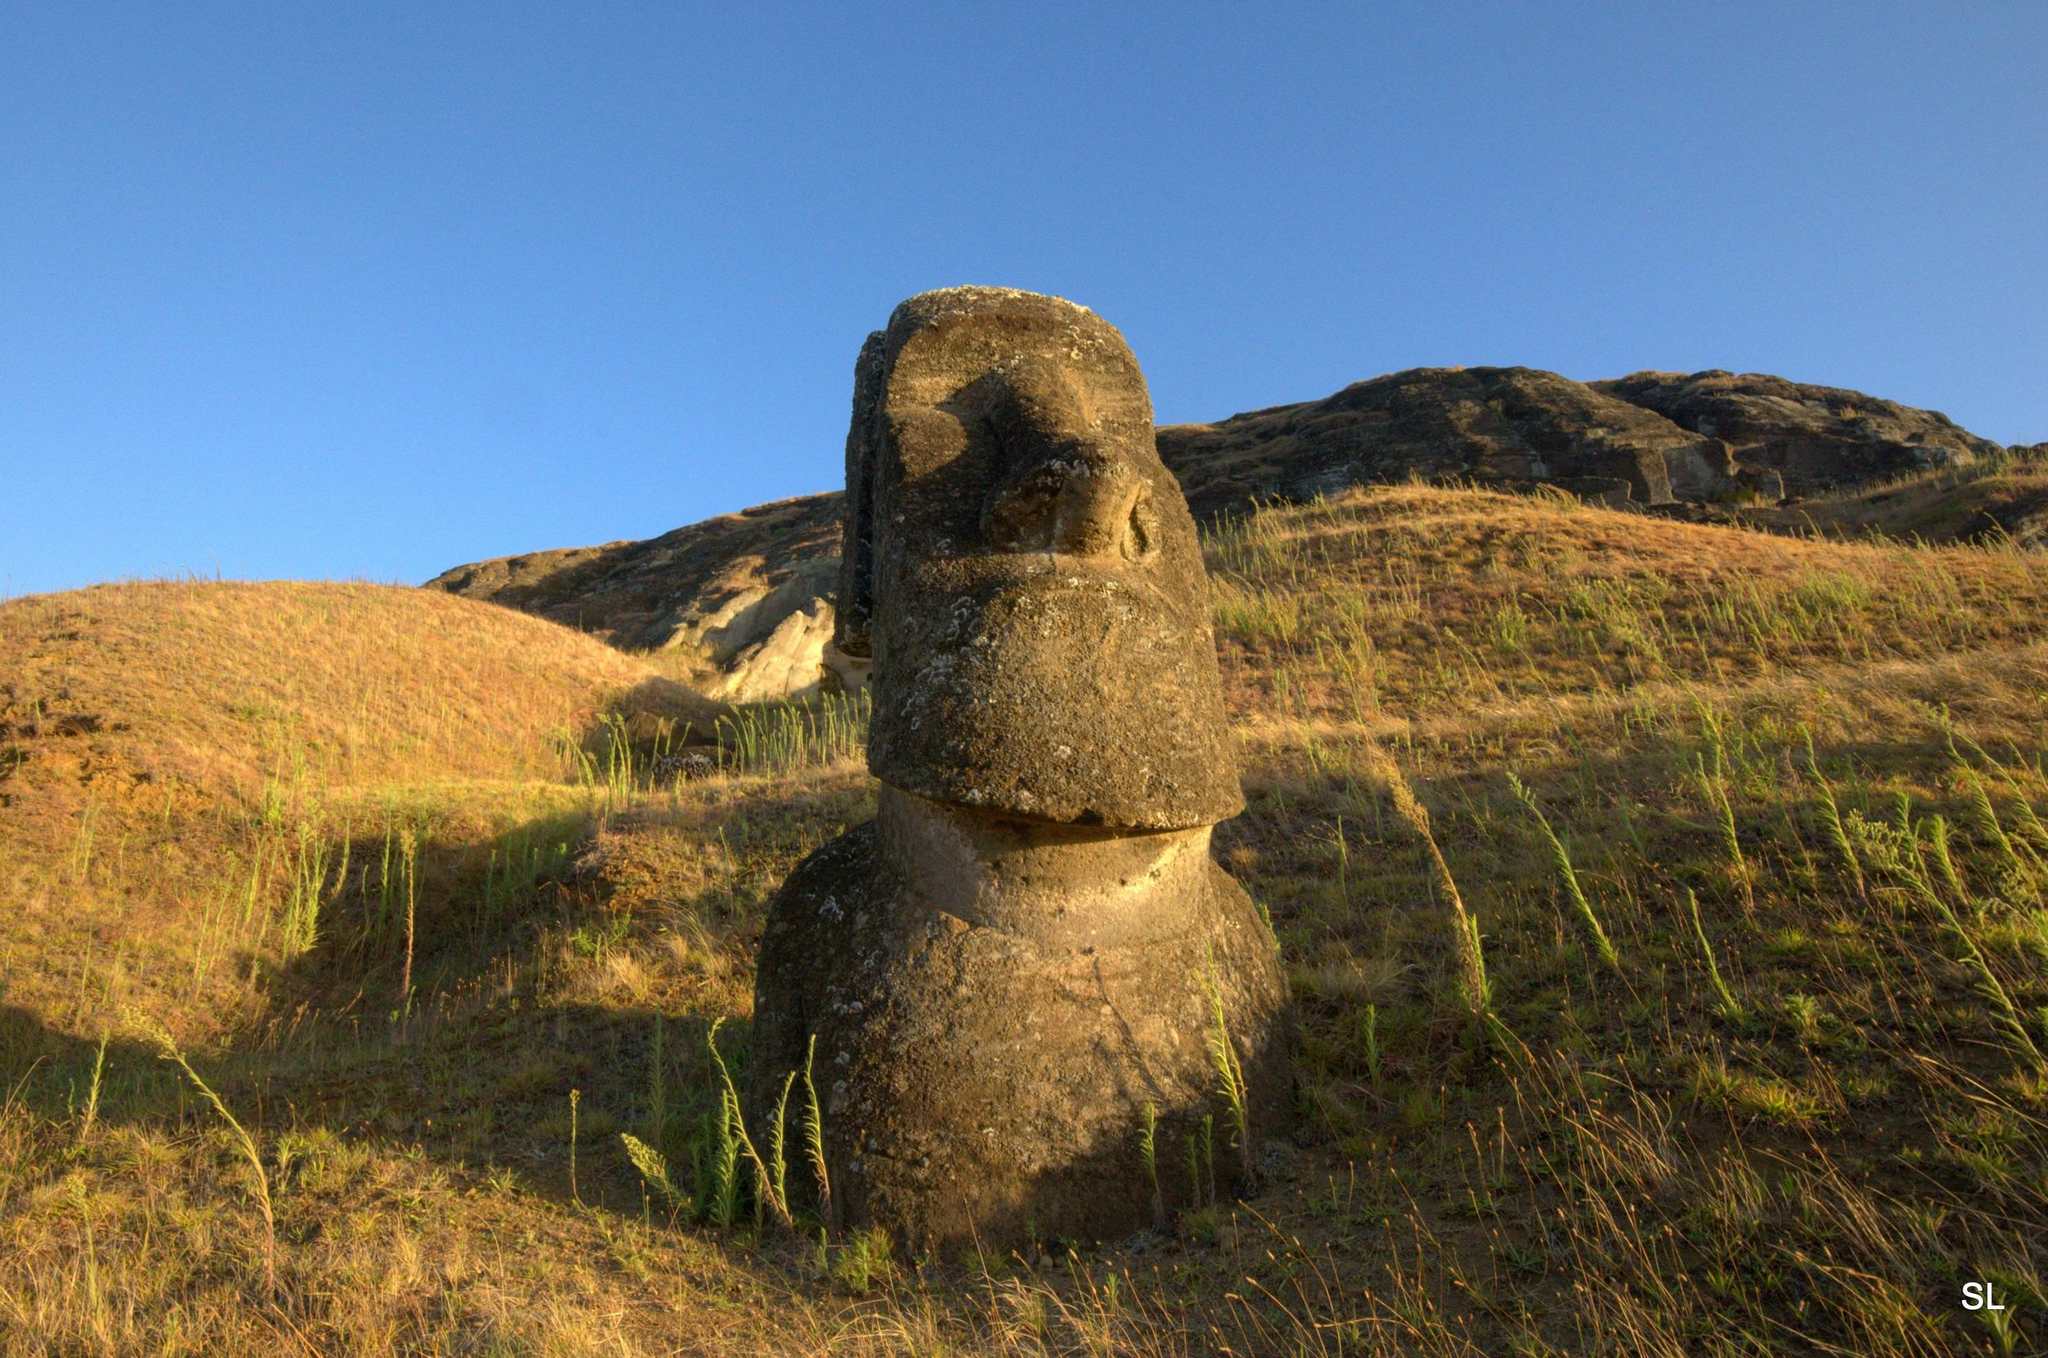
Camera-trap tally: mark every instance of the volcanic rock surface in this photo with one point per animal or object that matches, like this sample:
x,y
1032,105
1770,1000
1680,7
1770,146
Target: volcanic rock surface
x,y
1815,438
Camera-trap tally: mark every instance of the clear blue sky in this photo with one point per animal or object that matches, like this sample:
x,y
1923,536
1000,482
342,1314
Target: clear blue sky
x,y
368,291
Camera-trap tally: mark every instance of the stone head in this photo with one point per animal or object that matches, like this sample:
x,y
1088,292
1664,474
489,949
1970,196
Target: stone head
x,y
1024,572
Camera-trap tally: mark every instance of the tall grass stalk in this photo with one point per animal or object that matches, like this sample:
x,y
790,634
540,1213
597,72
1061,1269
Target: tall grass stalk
x,y
2030,822
777,1162
167,1048
575,1098
1229,1075
1148,1154
408,851
1568,875
1987,979
653,1168
814,1135
722,1203
1831,821
619,774
775,738
82,845
1714,786
1731,1008
1473,987
1937,844
92,1097
1987,820
307,887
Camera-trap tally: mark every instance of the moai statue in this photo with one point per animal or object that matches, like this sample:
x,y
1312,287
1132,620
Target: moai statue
x,y
1026,959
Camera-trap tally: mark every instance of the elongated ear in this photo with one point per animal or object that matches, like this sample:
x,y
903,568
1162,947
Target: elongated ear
x,y
856,604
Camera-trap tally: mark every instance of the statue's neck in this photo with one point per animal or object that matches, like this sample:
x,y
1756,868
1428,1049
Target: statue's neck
x,y
1078,885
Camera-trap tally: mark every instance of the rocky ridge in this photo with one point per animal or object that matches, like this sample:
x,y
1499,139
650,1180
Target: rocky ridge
x,y
749,595
1814,438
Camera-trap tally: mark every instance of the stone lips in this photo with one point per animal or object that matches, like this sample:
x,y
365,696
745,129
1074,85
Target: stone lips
x,y
1067,695
1029,682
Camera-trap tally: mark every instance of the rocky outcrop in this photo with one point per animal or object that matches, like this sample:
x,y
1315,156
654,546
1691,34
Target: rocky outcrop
x,y
1815,438
2020,524
1517,426
2021,517
751,594
747,594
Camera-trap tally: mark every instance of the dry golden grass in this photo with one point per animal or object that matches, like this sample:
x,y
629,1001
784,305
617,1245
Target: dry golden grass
x,y
139,722
207,684
1795,1121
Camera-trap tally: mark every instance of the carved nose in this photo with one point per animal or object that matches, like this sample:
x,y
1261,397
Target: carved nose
x,y
1078,502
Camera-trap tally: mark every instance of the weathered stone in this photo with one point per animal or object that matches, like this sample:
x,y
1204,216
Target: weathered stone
x,y
1031,947
1046,631
787,661
1815,437
1508,426
720,589
2018,518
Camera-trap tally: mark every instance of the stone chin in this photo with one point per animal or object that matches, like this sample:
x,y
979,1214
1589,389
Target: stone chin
x,y
1057,691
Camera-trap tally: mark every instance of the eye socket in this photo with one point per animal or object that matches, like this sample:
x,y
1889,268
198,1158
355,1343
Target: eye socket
x,y
1020,517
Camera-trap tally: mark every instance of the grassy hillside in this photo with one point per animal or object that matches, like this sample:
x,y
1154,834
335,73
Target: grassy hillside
x,y
1664,903
171,752
205,683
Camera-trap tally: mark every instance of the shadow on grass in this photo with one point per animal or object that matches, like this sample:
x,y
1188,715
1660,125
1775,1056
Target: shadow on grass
x,y
507,950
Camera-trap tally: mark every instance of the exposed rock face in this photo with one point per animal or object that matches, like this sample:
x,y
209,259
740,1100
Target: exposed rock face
x,y
2021,518
1815,437
1027,949
1516,425
727,588
2021,525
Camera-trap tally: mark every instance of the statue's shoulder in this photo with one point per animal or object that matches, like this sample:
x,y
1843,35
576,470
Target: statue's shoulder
x,y
825,913
827,892
850,857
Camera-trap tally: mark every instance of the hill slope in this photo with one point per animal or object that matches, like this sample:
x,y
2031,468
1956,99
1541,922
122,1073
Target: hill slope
x,y
742,590
199,681
747,597
1748,829
200,727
